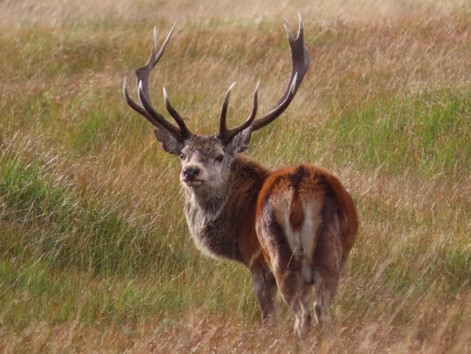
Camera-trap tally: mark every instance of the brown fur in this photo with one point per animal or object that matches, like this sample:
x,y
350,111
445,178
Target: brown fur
x,y
294,267
293,227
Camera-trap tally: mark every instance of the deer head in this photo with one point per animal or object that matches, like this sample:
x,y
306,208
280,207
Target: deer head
x,y
206,160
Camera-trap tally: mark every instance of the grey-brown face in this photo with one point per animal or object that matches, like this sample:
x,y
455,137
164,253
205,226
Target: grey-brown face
x,y
205,164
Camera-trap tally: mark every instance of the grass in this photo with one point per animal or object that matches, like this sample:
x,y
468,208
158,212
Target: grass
x,y
424,132
95,253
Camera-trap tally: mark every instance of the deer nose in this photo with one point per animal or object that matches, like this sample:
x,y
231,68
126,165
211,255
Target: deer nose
x,y
190,173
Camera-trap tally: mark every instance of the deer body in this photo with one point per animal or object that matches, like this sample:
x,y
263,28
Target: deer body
x,y
292,227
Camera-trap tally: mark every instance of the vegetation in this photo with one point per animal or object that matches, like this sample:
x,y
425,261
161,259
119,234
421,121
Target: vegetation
x,y
94,249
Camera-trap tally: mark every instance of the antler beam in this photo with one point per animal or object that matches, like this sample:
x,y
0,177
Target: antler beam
x,y
300,65
142,83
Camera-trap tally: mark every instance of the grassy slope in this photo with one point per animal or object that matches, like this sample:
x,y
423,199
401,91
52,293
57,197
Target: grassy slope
x,y
94,247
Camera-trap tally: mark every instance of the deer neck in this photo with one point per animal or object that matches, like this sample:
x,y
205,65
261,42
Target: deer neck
x,y
206,204
217,221
208,207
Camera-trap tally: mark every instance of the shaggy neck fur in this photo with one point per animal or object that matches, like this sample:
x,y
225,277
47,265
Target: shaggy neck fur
x,y
217,222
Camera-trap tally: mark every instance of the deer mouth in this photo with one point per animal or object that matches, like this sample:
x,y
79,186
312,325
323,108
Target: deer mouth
x,y
193,183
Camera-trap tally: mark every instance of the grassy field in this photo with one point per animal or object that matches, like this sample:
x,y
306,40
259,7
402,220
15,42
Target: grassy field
x,y
94,250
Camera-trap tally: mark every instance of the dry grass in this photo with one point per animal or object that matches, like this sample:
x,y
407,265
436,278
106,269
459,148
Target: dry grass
x,y
94,248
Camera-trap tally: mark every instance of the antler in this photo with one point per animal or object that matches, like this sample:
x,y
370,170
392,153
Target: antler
x,y
226,135
142,83
300,65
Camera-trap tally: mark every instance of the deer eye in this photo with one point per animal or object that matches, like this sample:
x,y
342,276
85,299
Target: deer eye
x,y
219,158
182,156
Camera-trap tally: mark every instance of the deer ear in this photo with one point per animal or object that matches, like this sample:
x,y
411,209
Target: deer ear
x,y
169,143
240,142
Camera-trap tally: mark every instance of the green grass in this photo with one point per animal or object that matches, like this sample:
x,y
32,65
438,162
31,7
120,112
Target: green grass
x,y
426,133
67,231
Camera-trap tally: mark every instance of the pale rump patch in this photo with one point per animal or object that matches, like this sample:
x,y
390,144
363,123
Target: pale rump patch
x,y
302,238
308,238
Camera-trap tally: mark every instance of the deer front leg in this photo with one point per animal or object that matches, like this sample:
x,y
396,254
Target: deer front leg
x,y
265,289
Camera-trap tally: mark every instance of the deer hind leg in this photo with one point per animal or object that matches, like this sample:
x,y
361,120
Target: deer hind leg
x,y
286,263
265,289
326,283
327,266
294,292
286,270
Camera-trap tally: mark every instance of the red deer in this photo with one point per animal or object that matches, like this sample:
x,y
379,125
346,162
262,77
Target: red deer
x,y
293,227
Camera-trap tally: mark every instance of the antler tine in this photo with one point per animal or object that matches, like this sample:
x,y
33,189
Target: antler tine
x,y
222,121
225,134
164,44
160,119
175,115
156,119
300,65
143,73
142,83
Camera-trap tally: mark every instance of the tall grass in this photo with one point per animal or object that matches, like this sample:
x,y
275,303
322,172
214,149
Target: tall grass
x,y
95,253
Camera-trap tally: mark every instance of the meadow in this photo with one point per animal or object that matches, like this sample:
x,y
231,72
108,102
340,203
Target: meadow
x,y
94,250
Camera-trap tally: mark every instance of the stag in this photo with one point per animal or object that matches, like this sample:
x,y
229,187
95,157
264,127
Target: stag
x,y
293,227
